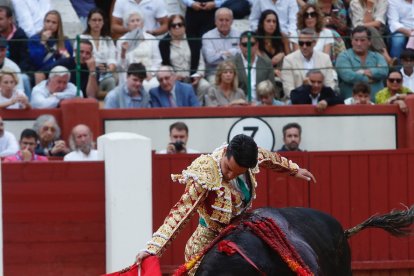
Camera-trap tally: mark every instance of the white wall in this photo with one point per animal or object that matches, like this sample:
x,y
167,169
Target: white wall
x,y
319,133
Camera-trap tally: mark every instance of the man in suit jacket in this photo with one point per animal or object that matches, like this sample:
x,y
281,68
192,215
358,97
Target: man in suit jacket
x,y
261,69
170,92
297,64
315,92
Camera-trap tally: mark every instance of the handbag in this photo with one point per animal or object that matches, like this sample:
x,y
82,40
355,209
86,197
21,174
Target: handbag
x,y
149,267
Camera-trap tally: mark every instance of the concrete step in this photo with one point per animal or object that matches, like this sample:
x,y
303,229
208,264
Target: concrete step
x,y
71,22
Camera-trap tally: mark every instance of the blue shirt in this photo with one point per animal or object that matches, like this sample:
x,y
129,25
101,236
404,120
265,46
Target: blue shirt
x,y
119,97
348,64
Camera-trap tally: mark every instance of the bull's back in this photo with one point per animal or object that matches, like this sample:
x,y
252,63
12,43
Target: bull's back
x,y
318,238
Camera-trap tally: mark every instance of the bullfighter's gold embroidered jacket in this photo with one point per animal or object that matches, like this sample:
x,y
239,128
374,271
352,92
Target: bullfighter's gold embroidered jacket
x,y
216,201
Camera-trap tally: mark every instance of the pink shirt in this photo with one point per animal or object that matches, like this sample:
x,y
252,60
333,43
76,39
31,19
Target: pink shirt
x,y
18,158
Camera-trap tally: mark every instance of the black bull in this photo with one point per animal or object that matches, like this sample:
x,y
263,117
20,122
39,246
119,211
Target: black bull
x,y
318,238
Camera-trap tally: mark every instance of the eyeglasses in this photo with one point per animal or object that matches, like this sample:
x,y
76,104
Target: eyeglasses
x,y
307,43
310,14
392,80
244,44
46,128
177,25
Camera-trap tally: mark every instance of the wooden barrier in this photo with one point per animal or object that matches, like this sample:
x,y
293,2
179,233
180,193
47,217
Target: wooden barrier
x,y
351,186
54,218
54,221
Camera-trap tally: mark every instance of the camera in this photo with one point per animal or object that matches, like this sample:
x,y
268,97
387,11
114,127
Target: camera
x,y
178,145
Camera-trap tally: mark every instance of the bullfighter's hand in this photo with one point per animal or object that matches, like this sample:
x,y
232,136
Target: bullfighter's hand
x,y
141,256
305,174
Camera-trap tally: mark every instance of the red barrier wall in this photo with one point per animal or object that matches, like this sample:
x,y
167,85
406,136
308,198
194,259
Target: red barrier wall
x,y
351,186
53,218
54,222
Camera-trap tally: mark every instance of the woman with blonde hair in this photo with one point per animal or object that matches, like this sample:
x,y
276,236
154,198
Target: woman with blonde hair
x,y
49,45
10,97
225,92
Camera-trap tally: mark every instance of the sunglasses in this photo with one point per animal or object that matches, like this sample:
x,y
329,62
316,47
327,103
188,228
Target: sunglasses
x,y
177,25
244,44
307,43
310,14
394,80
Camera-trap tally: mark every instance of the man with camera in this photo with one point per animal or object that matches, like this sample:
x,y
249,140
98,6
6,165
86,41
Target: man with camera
x,y
178,139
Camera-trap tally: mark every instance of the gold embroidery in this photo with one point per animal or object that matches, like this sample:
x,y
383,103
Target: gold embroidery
x,y
272,160
203,178
205,171
173,221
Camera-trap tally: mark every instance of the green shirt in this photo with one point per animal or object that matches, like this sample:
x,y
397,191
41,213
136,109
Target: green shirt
x,y
384,94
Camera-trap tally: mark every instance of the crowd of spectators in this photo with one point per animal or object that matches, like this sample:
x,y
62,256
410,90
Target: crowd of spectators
x,y
349,42
134,54
43,142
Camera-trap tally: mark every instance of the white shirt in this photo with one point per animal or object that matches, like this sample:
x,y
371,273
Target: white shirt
x,y
14,95
408,81
286,10
188,3
252,75
308,64
80,156
147,52
30,14
42,98
400,14
213,48
150,10
351,101
315,100
8,144
106,53
180,58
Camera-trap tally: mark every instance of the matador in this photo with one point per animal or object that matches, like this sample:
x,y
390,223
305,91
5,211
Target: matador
x,y
219,187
